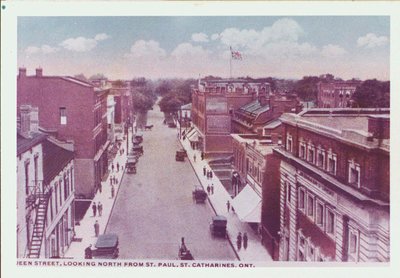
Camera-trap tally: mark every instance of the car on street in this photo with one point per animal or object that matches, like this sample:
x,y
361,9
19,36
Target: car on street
x,y
199,195
218,226
106,247
180,155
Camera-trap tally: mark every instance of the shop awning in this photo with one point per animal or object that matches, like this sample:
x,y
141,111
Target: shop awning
x,y
247,205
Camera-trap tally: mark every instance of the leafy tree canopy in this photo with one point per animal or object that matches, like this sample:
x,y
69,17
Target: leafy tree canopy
x,y
372,94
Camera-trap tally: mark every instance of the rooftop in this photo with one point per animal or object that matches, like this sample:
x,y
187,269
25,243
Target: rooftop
x,y
262,145
24,144
55,158
253,108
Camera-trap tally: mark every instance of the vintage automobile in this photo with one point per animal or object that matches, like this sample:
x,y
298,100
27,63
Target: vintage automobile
x,y
131,164
138,149
199,195
180,155
138,137
184,253
218,226
106,247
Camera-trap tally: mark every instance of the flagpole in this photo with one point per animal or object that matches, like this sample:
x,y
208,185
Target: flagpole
x,y
230,63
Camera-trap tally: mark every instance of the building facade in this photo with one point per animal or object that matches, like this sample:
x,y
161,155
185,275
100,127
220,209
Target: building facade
x,y
256,167
334,186
45,191
71,110
213,104
336,94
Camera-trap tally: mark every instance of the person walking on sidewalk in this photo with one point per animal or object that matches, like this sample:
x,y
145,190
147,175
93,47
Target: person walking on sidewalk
x,y
96,228
94,208
212,189
112,191
100,187
239,241
204,170
245,239
228,205
194,157
112,167
88,252
111,180
211,174
117,167
208,189
202,155
100,208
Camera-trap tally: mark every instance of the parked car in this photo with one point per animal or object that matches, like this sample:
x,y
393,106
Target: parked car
x,y
106,247
199,195
131,164
180,155
218,226
137,149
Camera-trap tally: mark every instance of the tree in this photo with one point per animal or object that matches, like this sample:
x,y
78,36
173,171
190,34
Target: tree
x,y
170,103
97,76
306,88
81,76
119,83
372,93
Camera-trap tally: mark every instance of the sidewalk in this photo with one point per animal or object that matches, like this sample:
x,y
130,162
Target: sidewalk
x,y
255,251
85,230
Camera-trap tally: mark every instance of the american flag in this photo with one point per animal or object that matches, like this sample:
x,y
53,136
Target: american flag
x,y
236,55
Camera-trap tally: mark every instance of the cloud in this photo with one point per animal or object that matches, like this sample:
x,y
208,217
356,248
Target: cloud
x,y
188,51
44,49
79,44
214,37
199,37
146,49
101,37
82,44
371,40
331,50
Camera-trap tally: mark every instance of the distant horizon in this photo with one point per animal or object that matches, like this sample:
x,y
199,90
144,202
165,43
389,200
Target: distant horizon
x,y
184,47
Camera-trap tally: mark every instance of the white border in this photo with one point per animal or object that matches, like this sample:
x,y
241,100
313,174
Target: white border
x,y
8,124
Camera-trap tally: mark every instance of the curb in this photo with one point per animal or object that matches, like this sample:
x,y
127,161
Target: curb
x,y
209,201
115,200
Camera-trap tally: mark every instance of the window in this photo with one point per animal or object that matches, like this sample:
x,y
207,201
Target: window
x,y
354,173
311,154
60,188
36,165
26,177
288,192
332,161
310,206
353,244
302,150
289,143
301,198
321,158
63,115
320,214
66,186
311,253
302,241
330,222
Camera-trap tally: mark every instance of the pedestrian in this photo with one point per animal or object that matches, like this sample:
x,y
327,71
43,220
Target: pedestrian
x,y
112,191
96,228
233,210
228,205
117,167
100,187
208,174
116,180
245,239
112,167
194,157
239,241
122,168
100,208
94,208
111,180
212,189
202,155
204,170
88,252
211,174
208,189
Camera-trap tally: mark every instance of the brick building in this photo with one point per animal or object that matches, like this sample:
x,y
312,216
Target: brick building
x,y
213,104
336,94
256,116
71,110
45,191
256,185
334,178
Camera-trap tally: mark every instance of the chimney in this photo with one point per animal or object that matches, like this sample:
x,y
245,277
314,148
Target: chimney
x,y
39,72
29,120
262,96
25,121
22,72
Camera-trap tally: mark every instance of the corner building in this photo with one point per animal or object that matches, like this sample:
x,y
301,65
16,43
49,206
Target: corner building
x,y
334,186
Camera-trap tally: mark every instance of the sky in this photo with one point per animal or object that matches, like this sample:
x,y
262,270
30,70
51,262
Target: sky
x,y
188,46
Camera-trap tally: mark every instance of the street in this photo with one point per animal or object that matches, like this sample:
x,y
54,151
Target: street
x,y
154,208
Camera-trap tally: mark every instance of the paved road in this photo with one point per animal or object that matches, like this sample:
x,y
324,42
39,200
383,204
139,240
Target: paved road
x,y
154,208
